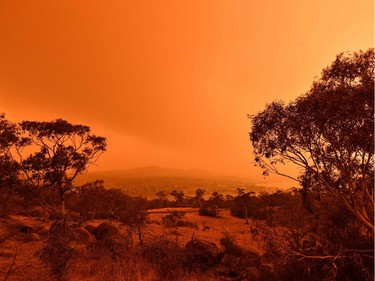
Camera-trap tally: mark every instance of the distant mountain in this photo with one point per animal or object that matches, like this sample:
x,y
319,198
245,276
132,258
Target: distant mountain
x,y
146,181
154,171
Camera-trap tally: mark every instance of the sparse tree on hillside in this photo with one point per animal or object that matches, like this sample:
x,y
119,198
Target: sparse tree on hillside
x,y
199,195
242,200
216,199
162,195
179,197
328,133
63,151
163,198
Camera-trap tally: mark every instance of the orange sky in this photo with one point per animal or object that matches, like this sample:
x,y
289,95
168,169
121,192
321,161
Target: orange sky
x,y
169,83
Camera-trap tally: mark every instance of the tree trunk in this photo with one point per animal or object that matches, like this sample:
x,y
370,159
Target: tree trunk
x,y
62,206
246,216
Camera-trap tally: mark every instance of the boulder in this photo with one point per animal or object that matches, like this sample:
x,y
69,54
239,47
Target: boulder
x,y
61,230
253,273
40,229
90,228
203,253
15,225
31,237
106,231
81,235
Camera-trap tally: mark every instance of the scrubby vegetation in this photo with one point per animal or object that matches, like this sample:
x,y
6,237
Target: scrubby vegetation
x,y
297,238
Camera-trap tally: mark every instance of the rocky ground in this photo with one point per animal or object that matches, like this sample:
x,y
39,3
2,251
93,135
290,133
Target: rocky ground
x,y
22,239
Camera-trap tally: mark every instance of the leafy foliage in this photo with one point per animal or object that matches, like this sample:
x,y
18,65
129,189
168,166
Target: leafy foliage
x,y
63,151
328,133
9,137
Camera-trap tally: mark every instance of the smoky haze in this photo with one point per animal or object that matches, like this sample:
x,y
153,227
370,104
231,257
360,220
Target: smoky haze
x,y
169,84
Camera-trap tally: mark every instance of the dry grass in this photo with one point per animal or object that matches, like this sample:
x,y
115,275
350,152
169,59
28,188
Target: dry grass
x,y
217,228
131,265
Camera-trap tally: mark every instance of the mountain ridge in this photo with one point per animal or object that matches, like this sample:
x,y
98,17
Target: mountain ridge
x,y
156,171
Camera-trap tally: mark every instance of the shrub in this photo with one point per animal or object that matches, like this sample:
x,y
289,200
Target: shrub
x,y
230,247
166,256
208,212
173,218
57,253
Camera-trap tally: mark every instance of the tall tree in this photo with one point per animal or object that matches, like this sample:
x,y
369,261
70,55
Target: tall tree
x,y
179,197
9,138
242,200
199,195
163,198
62,151
328,133
216,199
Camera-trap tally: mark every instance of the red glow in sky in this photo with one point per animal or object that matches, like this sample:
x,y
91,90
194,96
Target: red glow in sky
x,y
169,83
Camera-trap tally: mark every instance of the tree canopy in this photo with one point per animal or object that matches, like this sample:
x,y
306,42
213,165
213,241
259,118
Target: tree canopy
x,y
9,136
328,133
61,152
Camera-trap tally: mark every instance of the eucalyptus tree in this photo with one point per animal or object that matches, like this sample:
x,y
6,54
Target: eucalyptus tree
x,y
60,152
328,133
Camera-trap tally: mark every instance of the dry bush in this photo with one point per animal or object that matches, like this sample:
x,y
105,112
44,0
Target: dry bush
x,y
314,238
159,258
230,247
166,256
111,260
241,263
58,253
209,212
172,218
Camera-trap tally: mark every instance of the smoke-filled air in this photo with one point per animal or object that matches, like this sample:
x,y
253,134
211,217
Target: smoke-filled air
x,y
186,140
